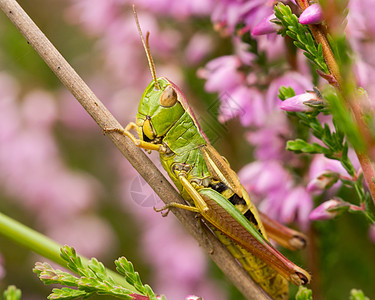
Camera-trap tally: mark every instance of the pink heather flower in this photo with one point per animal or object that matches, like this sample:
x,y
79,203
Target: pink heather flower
x,y
293,79
33,102
242,51
29,158
361,32
269,140
222,74
326,210
320,166
245,103
120,54
283,201
322,182
266,26
273,45
361,36
95,16
297,206
118,36
73,115
263,177
311,15
363,73
227,14
200,45
32,171
361,22
178,9
301,103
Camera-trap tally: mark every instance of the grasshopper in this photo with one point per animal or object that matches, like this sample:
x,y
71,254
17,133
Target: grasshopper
x,y
166,123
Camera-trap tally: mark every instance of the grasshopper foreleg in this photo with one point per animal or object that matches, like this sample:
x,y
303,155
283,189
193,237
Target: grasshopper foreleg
x,y
139,143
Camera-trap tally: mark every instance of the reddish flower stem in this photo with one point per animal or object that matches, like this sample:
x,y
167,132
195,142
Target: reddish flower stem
x,y
320,37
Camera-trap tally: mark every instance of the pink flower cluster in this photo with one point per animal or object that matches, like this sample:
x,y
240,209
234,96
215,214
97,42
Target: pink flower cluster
x,y
242,96
281,194
228,14
34,174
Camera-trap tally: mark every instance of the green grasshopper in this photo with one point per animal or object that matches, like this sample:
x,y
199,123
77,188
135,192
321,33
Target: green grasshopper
x,y
166,123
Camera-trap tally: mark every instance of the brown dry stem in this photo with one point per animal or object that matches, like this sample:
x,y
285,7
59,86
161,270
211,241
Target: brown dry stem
x,y
134,155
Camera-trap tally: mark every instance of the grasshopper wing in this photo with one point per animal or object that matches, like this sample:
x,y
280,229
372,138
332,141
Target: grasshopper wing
x,y
226,218
220,169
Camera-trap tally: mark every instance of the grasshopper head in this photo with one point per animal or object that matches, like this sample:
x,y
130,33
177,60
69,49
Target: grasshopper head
x,y
161,104
158,110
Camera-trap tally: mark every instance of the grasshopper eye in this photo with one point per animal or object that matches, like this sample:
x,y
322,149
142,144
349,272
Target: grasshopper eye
x,y
169,97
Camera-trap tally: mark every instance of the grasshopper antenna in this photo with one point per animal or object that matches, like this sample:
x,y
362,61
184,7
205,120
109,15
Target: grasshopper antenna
x,y
146,46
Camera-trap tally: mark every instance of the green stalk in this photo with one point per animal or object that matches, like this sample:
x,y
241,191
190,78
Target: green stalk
x,y
44,246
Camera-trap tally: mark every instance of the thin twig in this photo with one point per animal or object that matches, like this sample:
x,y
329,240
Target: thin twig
x,y
320,37
134,155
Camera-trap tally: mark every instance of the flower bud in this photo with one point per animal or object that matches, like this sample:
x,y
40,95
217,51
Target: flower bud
x,y
328,210
306,102
323,181
311,15
266,26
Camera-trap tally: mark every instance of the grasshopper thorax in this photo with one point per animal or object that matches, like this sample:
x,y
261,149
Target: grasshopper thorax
x,y
158,110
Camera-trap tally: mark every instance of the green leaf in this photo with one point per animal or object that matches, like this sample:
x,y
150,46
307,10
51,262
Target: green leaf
x,y
304,294
302,46
12,293
311,49
48,275
292,34
67,294
310,56
151,294
74,262
320,50
301,36
125,268
286,93
93,278
357,295
301,146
